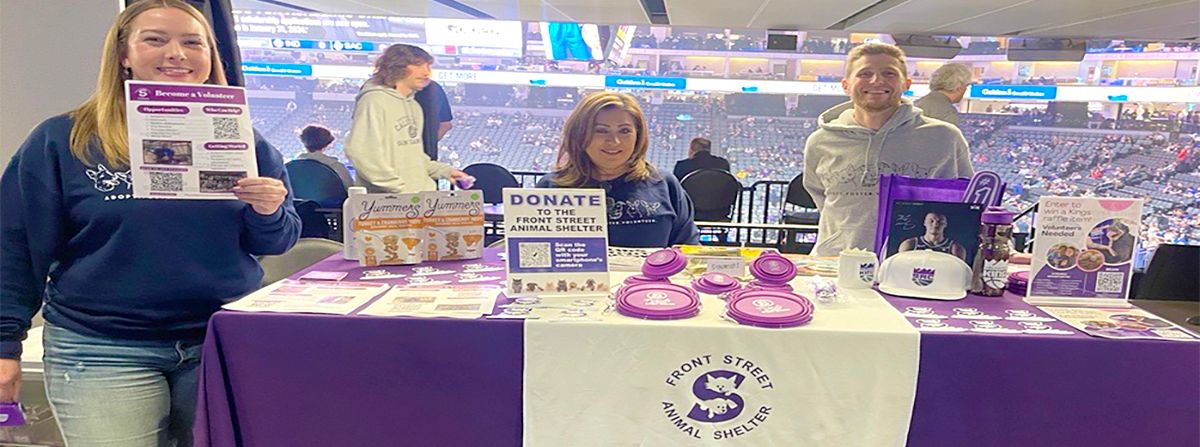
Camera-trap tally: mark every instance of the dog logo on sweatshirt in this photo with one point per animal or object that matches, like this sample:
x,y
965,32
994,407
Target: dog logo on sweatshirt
x,y
106,180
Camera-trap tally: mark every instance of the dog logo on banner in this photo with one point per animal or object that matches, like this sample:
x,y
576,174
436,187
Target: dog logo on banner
x,y
717,397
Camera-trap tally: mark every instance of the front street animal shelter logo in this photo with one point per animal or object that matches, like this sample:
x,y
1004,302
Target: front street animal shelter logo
x,y
717,397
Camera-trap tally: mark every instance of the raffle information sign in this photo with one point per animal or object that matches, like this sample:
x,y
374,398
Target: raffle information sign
x,y
1083,251
556,240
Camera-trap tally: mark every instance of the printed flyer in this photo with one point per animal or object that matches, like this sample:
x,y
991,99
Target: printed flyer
x,y
188,141
1083,251
322,297
1124,323
556,241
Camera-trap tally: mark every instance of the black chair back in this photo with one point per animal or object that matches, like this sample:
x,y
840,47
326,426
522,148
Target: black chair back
x,y
312,180
797,195
714,193
491,179
1173,274
313,223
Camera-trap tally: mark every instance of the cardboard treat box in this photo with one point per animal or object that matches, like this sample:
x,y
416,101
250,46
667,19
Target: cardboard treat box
x,y
453,225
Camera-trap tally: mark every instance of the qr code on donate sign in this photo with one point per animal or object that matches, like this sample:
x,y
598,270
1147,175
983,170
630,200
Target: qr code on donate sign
x,y
226,128
533,255
1110,282
166,181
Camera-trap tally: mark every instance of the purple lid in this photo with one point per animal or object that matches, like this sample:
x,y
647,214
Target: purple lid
x,y
715,283
664,263
658,301
998,215
768,308
1018,282
642,279
773,268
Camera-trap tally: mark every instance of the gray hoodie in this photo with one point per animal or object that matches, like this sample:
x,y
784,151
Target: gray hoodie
x,y
384,144
843,161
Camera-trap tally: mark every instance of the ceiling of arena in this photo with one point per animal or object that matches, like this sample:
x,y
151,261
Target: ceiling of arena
x,y
1115,19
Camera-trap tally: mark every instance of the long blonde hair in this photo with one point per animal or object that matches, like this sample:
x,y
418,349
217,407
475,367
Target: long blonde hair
x,y
575,169
101,119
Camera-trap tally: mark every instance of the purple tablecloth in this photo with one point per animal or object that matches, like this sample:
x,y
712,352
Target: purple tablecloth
x,y
987,390
300,380
324,380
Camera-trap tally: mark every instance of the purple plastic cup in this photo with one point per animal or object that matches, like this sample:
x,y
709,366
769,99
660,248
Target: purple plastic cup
x,y
715,283
773,268
664,263
658,302
770,309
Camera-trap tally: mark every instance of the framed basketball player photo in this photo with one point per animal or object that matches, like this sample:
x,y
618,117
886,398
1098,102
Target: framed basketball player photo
x,y
947,227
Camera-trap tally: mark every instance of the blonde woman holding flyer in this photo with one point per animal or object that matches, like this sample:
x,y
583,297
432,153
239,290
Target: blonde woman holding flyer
x,y
127,285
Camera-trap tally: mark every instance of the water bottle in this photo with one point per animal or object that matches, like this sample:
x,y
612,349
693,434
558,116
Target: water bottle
x,y
349,249
990,272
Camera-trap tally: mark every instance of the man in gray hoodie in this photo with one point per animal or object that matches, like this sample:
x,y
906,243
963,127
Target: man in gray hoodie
x,y
385,143
877,132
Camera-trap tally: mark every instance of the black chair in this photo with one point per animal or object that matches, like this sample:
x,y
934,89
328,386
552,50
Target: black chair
x,y
714,193
312,180
491,179
798,208
1173,274
313,222
799,197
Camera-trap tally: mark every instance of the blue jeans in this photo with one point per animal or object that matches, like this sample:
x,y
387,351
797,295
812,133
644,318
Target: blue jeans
x,y
127,393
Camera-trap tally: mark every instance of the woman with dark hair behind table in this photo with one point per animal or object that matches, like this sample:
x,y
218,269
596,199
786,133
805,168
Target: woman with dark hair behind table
x,y
604,145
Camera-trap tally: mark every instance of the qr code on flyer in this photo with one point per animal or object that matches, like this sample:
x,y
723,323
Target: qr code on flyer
x,y
226,128
166,181
534,255
1110,282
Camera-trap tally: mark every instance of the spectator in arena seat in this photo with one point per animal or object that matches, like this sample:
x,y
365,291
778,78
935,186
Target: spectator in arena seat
x,y
604,145
877,132
700,157
315,140
947,87
439,118
386,142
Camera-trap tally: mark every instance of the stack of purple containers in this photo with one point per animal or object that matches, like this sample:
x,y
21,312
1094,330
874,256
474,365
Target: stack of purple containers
x,y
769,300
651,295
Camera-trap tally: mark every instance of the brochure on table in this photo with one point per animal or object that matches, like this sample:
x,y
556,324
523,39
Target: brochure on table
x,y
323,297
1083,251
187,141
455,301
1123,323
556,241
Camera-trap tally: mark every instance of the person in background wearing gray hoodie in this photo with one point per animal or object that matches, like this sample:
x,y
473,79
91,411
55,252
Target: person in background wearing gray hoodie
x,y
385,143
877,132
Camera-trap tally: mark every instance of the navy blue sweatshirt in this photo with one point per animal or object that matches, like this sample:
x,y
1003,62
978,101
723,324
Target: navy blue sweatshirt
x,y
118,267
656,212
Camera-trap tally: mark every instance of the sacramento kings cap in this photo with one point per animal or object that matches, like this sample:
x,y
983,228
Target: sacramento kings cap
x,y
925,274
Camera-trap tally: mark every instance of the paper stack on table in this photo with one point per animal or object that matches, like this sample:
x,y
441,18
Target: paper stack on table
x,y
450,301
321,297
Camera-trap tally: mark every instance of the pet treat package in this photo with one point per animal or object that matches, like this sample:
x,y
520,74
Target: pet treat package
x,y
1083,251
453,223
388,228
